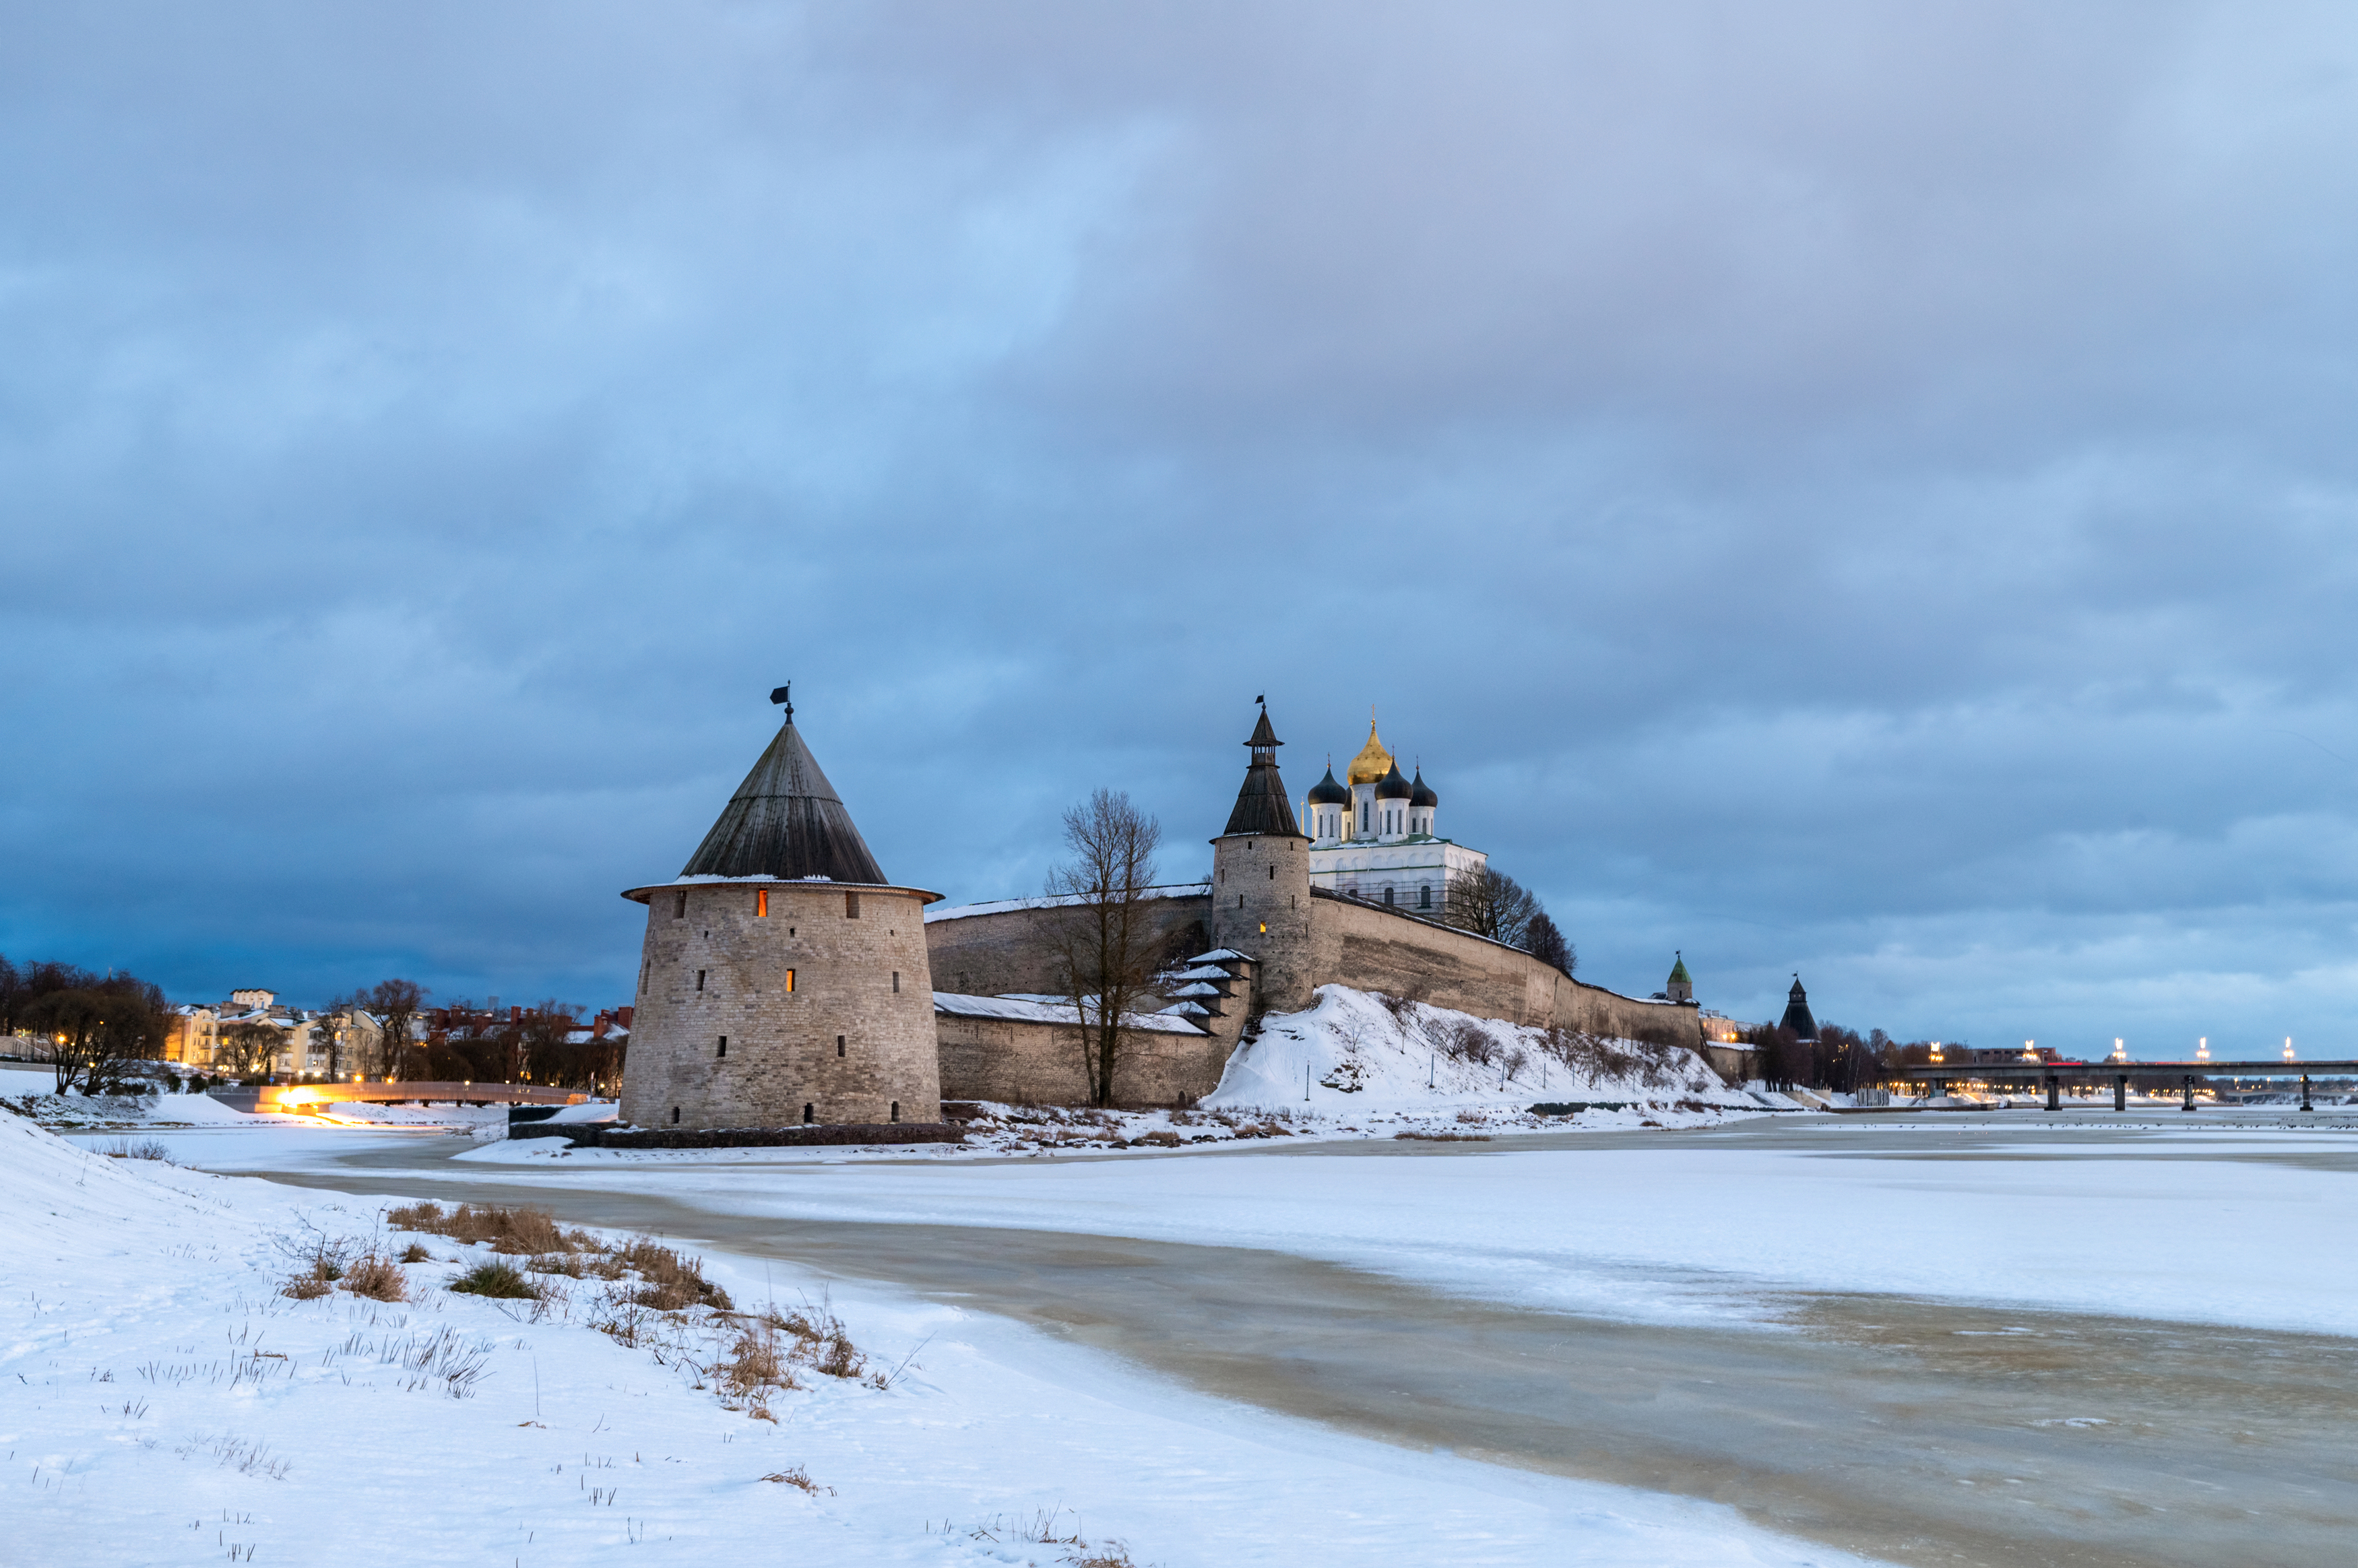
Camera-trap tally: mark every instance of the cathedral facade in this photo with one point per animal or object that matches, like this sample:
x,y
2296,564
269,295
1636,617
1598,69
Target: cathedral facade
x,y
1372,836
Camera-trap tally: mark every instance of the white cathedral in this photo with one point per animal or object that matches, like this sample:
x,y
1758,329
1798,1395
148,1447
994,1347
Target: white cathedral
x,y
1372,836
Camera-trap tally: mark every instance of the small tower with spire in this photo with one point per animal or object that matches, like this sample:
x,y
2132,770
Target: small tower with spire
x,y
1681,986
1797,1013
1260,881
783,979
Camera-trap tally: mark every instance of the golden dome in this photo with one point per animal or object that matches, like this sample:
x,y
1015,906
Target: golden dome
x,y
1372,763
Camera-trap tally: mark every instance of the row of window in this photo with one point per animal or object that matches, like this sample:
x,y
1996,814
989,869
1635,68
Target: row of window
x,y
762,905
1391,898
1395,819
790,980
722,1049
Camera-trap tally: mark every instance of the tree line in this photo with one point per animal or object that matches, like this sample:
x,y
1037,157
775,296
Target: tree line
x,y
94,1025
98,1033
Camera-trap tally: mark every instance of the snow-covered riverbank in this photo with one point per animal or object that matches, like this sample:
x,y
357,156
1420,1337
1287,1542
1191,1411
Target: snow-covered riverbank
x,y
162,1401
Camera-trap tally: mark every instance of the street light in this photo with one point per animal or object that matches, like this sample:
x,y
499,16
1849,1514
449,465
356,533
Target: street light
x,y
2202,1049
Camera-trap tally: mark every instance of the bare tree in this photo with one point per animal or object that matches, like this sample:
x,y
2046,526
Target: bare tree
x,y
1490,903
1103,939
245,1050
92,1030
396,1004
544,1051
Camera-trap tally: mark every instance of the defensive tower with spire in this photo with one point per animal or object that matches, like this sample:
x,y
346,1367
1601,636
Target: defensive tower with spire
x,y
784,978
1260,882
1797,1013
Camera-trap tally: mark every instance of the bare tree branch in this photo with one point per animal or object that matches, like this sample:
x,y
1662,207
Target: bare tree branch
x,y
1102,938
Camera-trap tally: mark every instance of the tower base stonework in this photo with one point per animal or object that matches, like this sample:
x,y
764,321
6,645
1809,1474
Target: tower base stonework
x,y
1260,907
804,1013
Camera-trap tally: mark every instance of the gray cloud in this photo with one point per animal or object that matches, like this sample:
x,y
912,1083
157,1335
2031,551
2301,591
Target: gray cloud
x,y
1838,489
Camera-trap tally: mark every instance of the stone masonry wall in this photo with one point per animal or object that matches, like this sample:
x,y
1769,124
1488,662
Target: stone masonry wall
x,y
1261,905
863,980
1024,1063
1371,948
1008,951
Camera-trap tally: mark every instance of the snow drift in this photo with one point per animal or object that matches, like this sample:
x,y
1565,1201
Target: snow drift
x,y
1353,1050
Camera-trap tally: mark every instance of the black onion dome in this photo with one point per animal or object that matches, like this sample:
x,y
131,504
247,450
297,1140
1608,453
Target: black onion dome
x,y
1392,786
785,821
1326,792
1420,793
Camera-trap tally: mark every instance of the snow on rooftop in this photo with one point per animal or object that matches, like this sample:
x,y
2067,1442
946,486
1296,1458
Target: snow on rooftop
x,y
1036,1009
1060,901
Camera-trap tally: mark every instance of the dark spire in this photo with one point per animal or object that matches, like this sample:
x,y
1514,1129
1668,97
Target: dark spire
x,y
1797,1013
1393,786
785,821
1261,806
1420,793
1326,792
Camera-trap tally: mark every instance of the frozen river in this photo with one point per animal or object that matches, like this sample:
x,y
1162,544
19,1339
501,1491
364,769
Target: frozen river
x,y
1969,1340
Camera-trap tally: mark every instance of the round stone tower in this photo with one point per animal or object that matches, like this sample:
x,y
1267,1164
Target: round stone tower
x,y
783,979
1260,883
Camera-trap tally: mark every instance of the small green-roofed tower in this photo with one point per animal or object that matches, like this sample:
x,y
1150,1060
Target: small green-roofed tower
x,y
1681,986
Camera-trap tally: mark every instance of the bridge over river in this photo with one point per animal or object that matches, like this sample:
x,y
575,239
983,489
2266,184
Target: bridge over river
x,y
2055,1074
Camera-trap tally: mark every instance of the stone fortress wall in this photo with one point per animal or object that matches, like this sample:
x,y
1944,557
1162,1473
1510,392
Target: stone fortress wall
x,y
994,949
1020,1062
783,980
1341,942
861,978
1371,948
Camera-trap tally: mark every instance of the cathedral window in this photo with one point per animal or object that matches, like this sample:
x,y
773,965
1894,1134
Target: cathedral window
x,y
1424,896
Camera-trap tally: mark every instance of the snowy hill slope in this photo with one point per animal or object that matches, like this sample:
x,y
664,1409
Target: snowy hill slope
x,y
1356,1051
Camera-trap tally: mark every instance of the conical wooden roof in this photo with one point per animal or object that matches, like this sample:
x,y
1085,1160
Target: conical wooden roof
x,y
1261,806
785,821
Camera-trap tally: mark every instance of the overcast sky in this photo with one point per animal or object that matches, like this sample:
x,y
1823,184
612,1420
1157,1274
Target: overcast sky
x,y
1851,488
